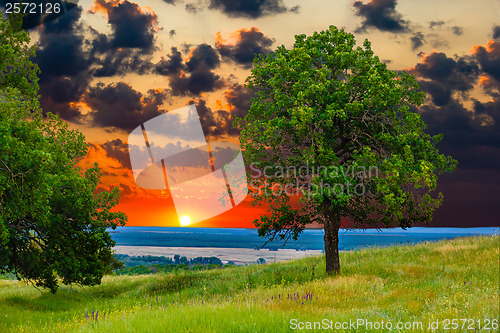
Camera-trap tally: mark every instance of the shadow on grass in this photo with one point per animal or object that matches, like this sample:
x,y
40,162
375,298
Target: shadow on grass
x,y
67,296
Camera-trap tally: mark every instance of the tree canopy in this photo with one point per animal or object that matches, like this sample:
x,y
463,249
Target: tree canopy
x,y
334,127
52,221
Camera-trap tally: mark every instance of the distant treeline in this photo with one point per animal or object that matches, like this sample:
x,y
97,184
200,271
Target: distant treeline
x,y
130,261
153,264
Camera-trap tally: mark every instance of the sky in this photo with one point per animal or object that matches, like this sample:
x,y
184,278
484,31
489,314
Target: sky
x,y
109,66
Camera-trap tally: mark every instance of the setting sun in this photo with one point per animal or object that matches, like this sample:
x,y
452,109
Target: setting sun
x,y
185,220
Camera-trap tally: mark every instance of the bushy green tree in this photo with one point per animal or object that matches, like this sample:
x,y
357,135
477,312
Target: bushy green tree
x,y
52,221
334,126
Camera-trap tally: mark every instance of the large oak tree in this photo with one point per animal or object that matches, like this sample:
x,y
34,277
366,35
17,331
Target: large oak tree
x,y
333,126
52,221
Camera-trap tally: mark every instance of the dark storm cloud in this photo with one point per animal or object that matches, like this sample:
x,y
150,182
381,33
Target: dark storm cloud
x,y
488,115
172,65
59,95
454,120
110,61
381,15
119,105
496,32
251,8
61,55
60,48
132,26
489,58
417,40
459,31
121,62
64,65
203,55
128,49
196,82
191,8
198,76
249,44
239,98
209,123
64,23
70,54
471,134
440,75
472,138
490,85
433,24
220,122
214,123
439,93
118,150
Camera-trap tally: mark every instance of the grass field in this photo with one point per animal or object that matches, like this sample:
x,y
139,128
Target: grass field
x,y
428,282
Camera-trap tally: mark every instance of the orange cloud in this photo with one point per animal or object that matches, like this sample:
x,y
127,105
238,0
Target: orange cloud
x,y
425,58
115,173
235,36
491,46
489,59
243,45
105,6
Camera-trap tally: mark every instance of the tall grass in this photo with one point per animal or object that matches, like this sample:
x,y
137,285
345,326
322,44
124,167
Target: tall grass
x,y
424,283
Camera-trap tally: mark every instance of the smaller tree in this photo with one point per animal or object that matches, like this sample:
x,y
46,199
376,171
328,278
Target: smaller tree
x,y
334,127
52,221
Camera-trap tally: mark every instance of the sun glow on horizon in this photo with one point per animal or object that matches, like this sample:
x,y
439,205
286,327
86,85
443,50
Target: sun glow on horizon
x,y
185,220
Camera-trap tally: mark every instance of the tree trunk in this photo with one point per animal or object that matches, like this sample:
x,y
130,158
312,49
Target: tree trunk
x,y
332,226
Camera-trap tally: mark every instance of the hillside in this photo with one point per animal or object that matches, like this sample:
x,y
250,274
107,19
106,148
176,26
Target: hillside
x,y
421,283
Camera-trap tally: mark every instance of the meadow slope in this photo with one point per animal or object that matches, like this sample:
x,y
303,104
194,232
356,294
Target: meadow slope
x,y
426,282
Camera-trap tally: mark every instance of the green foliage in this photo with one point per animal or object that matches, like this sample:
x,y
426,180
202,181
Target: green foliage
x,y
52,221
16,69
328,105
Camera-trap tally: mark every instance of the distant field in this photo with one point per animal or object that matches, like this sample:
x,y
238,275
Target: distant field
x,y
239,256
427,282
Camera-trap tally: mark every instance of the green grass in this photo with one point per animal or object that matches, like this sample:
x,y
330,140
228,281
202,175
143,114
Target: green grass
x,y
426,282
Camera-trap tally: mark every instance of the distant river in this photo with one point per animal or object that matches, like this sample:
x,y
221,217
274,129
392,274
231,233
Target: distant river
x,y
311,239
